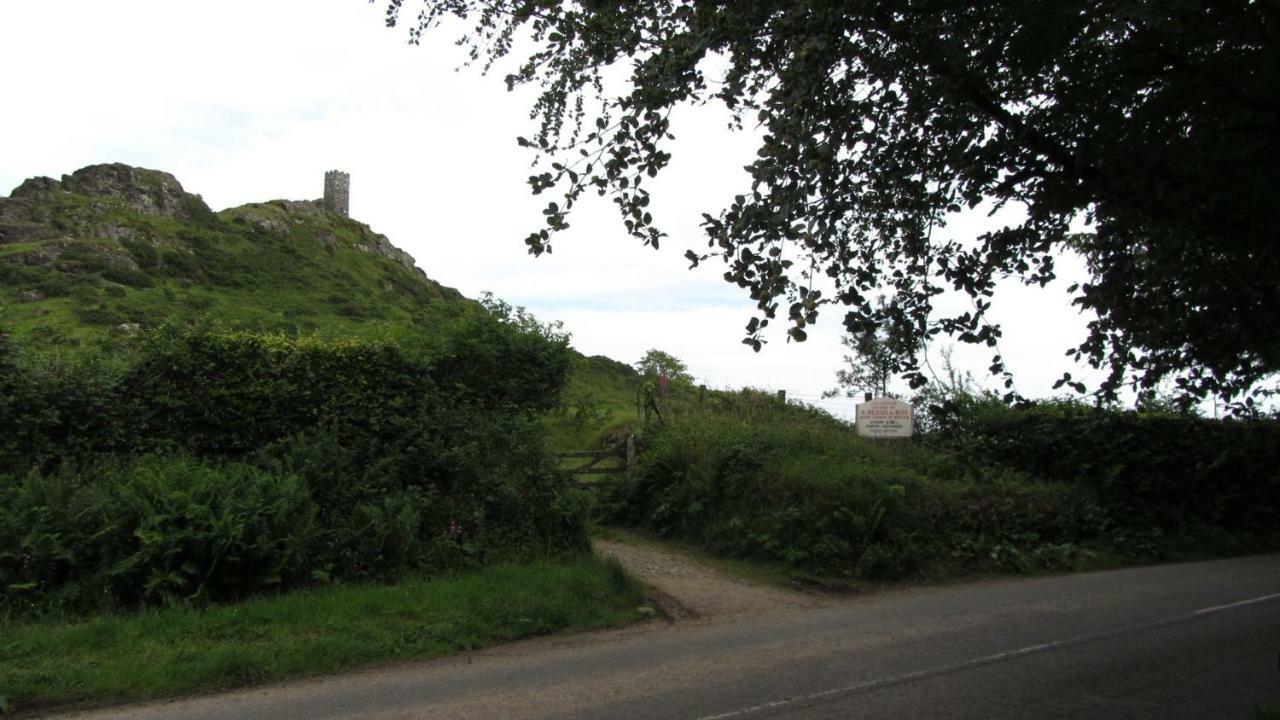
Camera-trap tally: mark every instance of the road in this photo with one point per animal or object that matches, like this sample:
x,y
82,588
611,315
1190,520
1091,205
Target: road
x,y
1195,640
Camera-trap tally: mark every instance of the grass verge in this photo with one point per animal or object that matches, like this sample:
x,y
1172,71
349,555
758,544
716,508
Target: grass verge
x,y
1267,712
179,651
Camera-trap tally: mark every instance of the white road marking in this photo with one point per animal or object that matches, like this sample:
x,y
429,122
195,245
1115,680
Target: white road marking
x,y
1251,601
984,660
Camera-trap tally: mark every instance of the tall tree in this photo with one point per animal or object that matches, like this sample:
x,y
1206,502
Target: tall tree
x,y
1156,121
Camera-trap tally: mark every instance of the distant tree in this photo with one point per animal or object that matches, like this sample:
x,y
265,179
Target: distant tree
x,y
869,369
874,357
1157,121
1156,401
655,362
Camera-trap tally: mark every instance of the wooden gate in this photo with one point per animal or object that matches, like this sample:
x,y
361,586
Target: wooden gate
x,y
623,450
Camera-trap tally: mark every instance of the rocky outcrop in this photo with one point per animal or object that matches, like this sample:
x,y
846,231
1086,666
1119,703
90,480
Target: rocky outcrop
x,y
150,192
19,223
72,256
32,187
380,245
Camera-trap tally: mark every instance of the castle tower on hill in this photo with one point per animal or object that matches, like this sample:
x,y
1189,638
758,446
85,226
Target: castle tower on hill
x,y
337,192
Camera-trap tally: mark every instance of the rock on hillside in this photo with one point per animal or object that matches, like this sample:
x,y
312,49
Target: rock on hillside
x,y
149,192
278,216
32,211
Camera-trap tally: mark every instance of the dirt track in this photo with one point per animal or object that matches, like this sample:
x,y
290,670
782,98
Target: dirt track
x,y
686,588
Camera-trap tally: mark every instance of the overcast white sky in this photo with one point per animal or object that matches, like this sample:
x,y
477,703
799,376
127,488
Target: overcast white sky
x,y
250,100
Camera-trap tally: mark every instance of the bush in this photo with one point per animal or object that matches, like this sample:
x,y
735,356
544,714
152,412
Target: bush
x,y
990,488
59,539
504,358
364,458
1169,471
163,529
752,477
206,533
230,393
53,409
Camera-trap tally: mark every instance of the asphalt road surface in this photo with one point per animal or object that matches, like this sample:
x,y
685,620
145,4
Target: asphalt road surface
x,y
1196,640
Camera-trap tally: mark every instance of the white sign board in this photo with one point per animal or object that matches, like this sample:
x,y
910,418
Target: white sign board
x,y
884,418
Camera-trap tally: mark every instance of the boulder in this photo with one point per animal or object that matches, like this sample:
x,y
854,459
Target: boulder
x,y
35,186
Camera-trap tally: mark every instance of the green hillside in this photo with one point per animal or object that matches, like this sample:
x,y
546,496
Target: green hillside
x,y
111,250
116,248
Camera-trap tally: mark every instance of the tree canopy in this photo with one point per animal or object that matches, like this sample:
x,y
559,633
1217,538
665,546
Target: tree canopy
x,y
1153,123
656,362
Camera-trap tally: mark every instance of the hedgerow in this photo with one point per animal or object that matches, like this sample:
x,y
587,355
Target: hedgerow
x,y
1168,470
211,464
748,476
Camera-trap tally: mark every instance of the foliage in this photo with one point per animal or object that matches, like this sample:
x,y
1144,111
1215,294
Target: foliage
x,y
872,362
53,407
161,530
402,462
1269,712
506,358
416,439
657,363
1170,470
1154,121
993,488
868,369
755,478
933,402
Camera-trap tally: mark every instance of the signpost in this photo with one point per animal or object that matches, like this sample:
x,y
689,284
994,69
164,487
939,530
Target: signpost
x,y
884,418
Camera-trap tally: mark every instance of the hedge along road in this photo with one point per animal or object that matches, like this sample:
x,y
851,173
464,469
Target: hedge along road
x,y
1194,640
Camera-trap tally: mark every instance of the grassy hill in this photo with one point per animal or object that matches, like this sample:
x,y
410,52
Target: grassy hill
x,y
115,248
112,249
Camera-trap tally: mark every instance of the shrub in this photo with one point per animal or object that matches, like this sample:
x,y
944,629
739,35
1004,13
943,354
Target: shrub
x,y
751,477
143,252
1162,469
163,529
59,539
364,458
503,358
54,409
131,278
213,533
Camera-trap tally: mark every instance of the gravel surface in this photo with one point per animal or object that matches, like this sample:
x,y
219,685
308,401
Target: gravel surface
x,y
685,588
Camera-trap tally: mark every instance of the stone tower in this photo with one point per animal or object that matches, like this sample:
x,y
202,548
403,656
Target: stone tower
x,y
337,192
